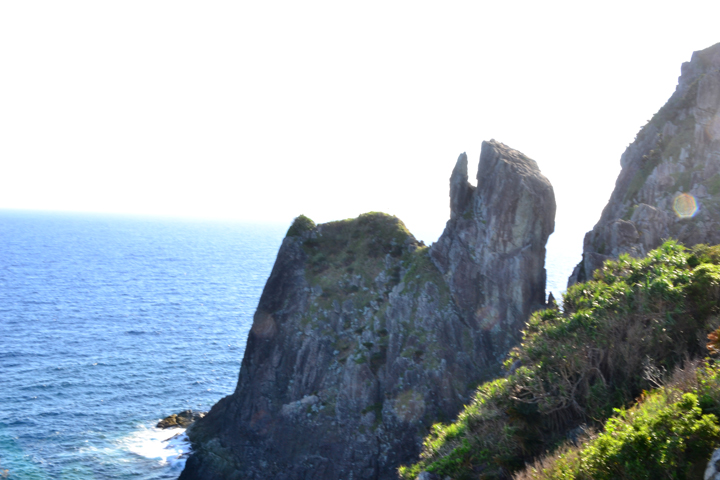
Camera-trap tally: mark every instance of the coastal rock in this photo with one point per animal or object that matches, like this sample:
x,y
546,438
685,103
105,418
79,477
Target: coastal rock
x,y
669,185
180,420
360,342
492,252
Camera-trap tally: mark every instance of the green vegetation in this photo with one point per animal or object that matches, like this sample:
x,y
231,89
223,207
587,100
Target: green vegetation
x,y
580,365
300,225
670,433
346,254
351,267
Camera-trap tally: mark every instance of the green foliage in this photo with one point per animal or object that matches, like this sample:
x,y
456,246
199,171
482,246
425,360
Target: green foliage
x,y
299,226
670,433
370,235
352,266
353,247
656,441
576,366
704,254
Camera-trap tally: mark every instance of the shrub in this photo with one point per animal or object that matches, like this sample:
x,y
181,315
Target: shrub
x,y
576,366
670,433
300,225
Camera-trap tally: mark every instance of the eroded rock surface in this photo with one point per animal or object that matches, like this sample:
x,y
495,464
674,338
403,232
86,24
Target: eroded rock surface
x,y
360,342
673,162
492,252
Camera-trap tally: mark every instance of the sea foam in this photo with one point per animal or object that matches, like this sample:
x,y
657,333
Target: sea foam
x,y
169,447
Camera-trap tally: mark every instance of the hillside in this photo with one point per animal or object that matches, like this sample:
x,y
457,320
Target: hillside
x,y
616,338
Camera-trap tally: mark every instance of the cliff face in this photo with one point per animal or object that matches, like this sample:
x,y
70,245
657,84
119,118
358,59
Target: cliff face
x,y
492,252
363,337
669,186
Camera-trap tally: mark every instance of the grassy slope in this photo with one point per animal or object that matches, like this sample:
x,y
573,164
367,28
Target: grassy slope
x,y
576,367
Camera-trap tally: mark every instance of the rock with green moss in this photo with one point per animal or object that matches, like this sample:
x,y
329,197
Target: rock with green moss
x,y
669,186
300,225
360,343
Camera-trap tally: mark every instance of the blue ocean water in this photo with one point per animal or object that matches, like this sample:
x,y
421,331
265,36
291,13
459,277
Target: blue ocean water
x,y
108,324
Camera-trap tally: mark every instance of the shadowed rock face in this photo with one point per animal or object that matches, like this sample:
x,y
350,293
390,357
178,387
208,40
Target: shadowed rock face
x,y
360,342
675,156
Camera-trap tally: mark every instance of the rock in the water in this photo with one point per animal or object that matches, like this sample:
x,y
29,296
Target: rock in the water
x,y
360,343
180,420
669,186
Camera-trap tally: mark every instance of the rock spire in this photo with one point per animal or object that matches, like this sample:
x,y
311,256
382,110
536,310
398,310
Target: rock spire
x,y
364,338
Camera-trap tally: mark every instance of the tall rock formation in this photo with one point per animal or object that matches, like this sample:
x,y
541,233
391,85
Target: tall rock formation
x,y
360,342
669,185
492,252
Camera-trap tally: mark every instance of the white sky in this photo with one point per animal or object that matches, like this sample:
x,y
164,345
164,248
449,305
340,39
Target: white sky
x,y
265,110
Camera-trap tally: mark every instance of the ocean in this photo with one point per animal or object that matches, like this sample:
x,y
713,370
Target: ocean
x,y
110,323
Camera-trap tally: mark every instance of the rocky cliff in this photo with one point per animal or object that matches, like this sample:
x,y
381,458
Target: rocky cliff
x,y
492,252
669,185
363,337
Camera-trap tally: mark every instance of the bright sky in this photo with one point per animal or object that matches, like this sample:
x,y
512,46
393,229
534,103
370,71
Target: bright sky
x,y
265,110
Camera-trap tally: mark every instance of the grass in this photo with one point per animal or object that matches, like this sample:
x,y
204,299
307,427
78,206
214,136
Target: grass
x,y
577,366
300,225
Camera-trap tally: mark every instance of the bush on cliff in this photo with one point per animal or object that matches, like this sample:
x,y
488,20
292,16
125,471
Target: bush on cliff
x,y
670,433
300,225
576,366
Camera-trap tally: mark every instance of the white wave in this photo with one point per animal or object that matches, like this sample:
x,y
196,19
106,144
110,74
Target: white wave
x,y
170,447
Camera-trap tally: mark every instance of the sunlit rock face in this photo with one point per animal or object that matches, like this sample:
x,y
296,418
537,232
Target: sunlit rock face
x,y
492,252
669,186
360,342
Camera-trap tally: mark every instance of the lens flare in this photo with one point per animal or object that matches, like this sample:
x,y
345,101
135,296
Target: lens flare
x,y
685,205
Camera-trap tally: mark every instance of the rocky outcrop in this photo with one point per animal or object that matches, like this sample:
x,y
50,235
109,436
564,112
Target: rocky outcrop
x,y
363,337
669,185
180,420
492,252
